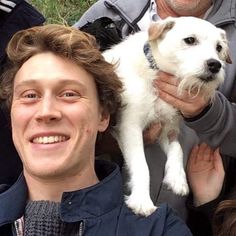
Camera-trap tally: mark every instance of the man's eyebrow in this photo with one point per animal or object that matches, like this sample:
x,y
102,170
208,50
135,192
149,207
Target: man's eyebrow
x,y
24,83
61,82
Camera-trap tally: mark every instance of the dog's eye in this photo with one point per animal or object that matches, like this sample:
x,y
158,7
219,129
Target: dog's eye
x,y
190,40
218,48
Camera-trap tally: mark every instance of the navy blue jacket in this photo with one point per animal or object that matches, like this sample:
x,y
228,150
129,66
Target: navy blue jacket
x,y
100,208
22,16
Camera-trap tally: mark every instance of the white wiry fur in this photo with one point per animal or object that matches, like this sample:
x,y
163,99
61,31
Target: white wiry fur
x,y
142,107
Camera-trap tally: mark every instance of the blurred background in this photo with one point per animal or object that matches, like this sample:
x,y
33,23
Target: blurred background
x,y
65,12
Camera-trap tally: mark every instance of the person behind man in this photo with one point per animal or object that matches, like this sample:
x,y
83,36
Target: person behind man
x,y
15,15
214,123
61,93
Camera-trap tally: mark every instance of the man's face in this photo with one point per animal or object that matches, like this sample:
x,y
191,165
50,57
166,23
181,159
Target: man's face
x,y
55,117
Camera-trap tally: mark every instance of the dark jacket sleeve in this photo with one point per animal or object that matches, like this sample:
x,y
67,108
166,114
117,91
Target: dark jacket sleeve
x,y
200,218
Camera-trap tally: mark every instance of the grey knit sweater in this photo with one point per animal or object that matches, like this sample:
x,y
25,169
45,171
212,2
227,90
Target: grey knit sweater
x,y
42,219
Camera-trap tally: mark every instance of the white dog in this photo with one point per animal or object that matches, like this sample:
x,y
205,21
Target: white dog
x,y
195,52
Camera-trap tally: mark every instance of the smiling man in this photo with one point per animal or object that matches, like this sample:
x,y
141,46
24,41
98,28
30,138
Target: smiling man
x,y
60,116
61,93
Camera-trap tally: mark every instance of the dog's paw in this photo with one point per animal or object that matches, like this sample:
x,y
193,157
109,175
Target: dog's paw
x,y
177,182
140,205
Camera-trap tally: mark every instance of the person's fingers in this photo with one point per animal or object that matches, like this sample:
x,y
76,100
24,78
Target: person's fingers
x,y
172,99
201,151
211,155
189,103
167,78
169,84
192,157
169,88
218,161
207,155
187,106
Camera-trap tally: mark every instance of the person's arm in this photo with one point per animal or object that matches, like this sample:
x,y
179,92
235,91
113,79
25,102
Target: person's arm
x,y
217,126
214,122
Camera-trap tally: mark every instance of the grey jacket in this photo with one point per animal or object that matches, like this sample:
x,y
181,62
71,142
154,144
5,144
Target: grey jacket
x,y
217,125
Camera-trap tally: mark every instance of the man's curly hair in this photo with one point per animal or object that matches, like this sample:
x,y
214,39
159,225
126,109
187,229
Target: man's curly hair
x,y
67,42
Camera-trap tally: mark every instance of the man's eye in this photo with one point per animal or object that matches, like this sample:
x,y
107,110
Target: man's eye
x,y
30,95
70,94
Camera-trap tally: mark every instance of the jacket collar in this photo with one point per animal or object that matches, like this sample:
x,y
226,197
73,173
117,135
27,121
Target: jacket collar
x,y
13,201
78,205
96,200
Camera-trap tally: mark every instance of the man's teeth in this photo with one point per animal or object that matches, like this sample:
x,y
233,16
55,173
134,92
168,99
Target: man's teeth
x,y
49,139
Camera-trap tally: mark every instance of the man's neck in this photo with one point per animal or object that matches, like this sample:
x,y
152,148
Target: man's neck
x,y
51,189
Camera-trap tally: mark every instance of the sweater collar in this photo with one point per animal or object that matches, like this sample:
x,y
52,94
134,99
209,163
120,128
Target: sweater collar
x,y
78,205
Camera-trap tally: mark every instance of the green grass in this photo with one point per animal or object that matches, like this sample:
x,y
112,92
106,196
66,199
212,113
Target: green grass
x,y
65,12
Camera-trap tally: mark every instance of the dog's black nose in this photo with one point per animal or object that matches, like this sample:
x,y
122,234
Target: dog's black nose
x,y
213,66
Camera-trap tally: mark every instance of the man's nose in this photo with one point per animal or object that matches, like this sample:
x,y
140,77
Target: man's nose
x,y
48,111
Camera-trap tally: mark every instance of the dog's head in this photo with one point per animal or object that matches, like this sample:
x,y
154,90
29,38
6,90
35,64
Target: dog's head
x,y
192,49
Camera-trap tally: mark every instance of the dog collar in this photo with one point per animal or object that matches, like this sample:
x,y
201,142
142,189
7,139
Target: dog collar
x,y
148,53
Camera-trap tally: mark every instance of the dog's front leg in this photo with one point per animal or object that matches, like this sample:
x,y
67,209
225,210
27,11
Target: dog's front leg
x,y
130,140
175,177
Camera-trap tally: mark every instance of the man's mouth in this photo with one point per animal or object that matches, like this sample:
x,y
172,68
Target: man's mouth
x,y
50,139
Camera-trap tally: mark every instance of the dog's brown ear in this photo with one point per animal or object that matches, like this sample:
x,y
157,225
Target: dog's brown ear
x,y
226,54
228,58
157,29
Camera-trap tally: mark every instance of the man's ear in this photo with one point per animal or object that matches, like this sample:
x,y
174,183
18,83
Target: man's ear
x,y
104,120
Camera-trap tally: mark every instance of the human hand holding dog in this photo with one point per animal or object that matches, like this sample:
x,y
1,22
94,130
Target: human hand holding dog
x,y
205,173
190,105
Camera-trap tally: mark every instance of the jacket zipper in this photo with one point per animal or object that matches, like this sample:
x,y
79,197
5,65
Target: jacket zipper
x,y
81,226
19,227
